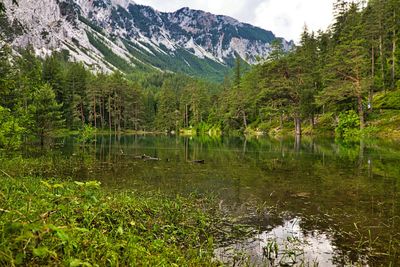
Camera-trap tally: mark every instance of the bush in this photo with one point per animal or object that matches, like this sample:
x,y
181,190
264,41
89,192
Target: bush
x,y
326,122
10,131
349,125
390,100
87,134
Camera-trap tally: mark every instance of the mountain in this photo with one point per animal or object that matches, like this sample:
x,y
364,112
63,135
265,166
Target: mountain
x,y
119,34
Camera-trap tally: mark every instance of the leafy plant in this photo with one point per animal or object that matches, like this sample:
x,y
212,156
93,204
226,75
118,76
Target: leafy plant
x,y
10,130
54,222
349,125
86,134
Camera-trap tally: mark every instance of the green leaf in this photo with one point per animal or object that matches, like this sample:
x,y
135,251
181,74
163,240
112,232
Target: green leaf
x,y
46,184
43,252
120,230
78,262
79,183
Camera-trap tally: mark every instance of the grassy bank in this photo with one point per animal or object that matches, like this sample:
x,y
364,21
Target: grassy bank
x,y
53,222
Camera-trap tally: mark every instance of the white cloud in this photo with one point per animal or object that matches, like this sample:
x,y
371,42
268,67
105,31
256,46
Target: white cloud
x,y
285,18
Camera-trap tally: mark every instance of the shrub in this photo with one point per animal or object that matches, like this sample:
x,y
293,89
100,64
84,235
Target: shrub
x,y
10,130
326,122
390,100
87,134
349,125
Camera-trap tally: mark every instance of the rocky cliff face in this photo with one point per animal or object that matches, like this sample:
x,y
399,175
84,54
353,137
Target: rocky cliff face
x,y
119,34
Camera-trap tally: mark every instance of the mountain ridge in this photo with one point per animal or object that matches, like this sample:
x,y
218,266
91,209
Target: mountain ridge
x,y
119,34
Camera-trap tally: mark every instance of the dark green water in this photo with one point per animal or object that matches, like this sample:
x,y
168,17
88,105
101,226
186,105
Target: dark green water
x,y
320,201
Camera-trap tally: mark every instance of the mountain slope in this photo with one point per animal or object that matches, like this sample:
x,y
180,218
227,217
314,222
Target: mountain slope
x,y
119,34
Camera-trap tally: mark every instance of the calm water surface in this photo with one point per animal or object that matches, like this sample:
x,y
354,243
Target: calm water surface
x,y
313,201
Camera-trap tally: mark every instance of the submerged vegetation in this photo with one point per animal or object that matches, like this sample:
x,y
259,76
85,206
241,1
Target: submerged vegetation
x,y
68,223
345,192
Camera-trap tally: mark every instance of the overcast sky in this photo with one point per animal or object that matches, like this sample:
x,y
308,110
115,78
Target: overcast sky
x,y
286,18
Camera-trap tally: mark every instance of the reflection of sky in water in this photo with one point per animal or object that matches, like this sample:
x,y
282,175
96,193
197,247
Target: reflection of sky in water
x,y
328,184
295,248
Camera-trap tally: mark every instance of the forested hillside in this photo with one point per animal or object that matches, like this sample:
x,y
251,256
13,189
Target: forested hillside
x,y
345,79
110,35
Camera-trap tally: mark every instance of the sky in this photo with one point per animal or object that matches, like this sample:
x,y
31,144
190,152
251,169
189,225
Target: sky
x,y
285,18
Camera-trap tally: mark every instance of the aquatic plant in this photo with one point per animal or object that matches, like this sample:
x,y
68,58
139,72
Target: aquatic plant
x,y
54,222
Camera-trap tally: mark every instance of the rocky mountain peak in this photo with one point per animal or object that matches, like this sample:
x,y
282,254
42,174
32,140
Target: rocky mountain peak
x,y
119,34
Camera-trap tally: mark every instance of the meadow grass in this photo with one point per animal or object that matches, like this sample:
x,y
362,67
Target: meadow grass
x,y
68,223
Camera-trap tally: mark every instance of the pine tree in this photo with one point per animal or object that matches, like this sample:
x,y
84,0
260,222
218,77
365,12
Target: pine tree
x,y
347,72
75,98
237,71
44,112
54,75
8,79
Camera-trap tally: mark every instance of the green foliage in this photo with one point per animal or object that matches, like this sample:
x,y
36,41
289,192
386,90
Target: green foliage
x,y
44,113
86,134
348,126
10,130
390,100
80,224
345,68
326,122
91,24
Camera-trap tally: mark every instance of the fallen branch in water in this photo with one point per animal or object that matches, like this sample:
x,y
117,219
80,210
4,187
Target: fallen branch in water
x,y
145,157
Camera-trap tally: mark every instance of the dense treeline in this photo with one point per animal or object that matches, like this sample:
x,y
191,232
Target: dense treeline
x,y
331,80
340,70
38,96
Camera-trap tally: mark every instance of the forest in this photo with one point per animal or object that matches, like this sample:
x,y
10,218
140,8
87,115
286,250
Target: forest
x,y
158,168
342,81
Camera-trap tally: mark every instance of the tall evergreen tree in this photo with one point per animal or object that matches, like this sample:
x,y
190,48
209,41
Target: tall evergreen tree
x,y
44,112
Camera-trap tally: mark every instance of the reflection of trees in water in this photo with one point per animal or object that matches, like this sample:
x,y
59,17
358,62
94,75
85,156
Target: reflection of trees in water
x,y
330,184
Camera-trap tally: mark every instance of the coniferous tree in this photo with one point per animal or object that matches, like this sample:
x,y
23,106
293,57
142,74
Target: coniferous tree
x,y
44,112
347,72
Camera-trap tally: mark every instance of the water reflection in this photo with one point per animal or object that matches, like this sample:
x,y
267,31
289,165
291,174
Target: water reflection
x,y
284,245
348,192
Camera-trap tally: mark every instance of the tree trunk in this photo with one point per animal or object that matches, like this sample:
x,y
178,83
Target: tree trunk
x,y
371,88
297,143
394,51
312,121
244,119
360,111
186,116
82,115
94,112
373,61
109,114
297,125
382,61
101,112
360,107
115,116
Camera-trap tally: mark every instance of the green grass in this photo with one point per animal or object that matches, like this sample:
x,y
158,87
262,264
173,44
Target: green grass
x,y
54,222
385,118
109,55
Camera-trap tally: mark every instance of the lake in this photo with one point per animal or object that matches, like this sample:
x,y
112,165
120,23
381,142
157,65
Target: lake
x,y
310,201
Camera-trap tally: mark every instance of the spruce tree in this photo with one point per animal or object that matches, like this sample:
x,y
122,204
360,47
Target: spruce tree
x,y
45,113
